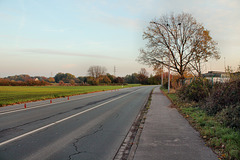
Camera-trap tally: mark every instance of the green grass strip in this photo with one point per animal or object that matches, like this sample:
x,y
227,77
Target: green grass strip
x,y
224,141
19,94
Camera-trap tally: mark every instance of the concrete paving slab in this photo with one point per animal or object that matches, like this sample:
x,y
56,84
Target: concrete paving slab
x,y
168,136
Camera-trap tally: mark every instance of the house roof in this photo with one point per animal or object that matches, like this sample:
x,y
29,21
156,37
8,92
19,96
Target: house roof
x,y
213,74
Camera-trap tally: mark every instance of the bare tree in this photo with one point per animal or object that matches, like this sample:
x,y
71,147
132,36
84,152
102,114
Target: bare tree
x,y
177,41
96,71
143,76
144,72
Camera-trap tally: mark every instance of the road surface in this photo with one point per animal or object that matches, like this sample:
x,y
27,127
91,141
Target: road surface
x,y
89,127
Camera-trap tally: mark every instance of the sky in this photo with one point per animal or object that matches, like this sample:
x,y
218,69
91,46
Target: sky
x,y
44,37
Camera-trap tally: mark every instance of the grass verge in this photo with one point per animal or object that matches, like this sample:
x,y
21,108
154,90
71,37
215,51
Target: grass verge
x,y
224,141
19,94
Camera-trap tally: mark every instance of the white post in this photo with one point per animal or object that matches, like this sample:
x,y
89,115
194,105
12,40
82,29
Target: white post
x,y
162,77
169,74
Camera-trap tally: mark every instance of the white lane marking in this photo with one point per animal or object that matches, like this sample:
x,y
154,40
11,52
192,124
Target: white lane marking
x,y
59,121
38,106
24,109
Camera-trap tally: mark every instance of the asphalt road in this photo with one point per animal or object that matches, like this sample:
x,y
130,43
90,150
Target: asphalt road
x,y
88,127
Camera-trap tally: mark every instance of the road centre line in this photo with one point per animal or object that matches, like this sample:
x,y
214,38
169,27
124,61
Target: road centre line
x,y
59,121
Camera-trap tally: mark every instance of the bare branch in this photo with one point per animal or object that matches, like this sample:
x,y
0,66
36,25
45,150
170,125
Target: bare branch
x,y
182,39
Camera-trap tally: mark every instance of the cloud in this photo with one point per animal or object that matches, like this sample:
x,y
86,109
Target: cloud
x,y
65,53
68,66
108,13
120,21
231,4
23,18
54,30
7,17
60,30
93,43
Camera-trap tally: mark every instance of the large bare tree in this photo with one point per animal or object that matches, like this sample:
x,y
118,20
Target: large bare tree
x,y
96,71
178,41
144,72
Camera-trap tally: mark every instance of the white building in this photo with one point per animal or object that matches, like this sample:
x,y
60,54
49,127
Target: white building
x,y
216,76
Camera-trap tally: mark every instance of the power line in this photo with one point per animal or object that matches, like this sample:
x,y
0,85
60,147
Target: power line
x,y
114,70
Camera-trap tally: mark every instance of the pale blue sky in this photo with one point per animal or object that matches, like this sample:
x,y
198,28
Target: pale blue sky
x,y
40,37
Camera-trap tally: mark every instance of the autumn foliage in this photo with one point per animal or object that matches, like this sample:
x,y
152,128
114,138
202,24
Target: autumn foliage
x,y
29,82
221,100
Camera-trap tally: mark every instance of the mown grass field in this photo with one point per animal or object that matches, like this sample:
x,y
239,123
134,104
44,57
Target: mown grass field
x,y
223,140
19,94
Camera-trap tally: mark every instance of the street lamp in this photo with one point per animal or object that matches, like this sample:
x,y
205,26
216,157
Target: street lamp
x,y
168,53
169,68
166,28
162,77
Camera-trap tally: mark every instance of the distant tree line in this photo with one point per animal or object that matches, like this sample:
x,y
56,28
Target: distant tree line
x,y
28,82
97,75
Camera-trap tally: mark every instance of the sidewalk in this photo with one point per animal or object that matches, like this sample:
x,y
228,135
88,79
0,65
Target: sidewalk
x,y
168,136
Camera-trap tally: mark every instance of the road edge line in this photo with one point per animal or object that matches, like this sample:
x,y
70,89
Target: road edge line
x,y
64,119
130,143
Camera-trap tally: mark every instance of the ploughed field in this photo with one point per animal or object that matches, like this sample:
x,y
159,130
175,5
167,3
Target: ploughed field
x,y
19,94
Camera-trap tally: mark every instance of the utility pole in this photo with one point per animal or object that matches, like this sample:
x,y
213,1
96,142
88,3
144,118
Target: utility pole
x,y
169,61
225,64
167,29
114,70
169,73
162,77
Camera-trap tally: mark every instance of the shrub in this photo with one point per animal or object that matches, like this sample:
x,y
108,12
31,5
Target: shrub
x,y
61,83
223,95
165,84
196,91
230,116
72,82
29,82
